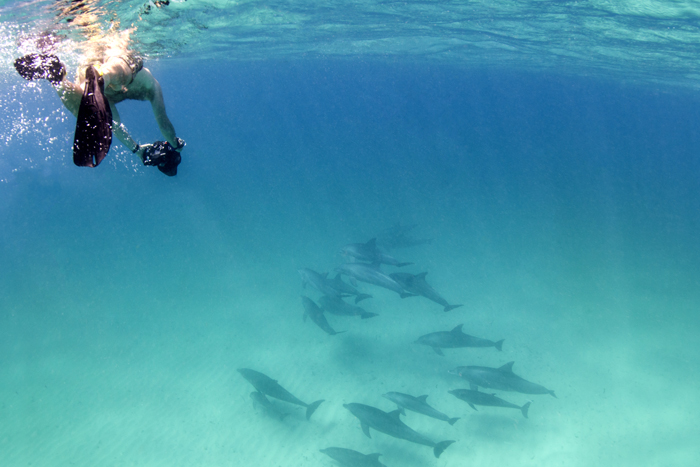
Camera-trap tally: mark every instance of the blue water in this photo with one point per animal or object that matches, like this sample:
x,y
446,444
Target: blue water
x,y
564,214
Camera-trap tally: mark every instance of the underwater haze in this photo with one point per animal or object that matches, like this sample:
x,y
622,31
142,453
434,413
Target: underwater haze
x,y
538,159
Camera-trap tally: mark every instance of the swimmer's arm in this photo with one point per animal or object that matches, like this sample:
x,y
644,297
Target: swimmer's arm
x,y
70,95
158,105
120,131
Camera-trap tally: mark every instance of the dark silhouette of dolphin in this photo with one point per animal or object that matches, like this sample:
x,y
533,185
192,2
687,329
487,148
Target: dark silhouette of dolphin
x,y
455,339
474,398
389,423
271,388
501,378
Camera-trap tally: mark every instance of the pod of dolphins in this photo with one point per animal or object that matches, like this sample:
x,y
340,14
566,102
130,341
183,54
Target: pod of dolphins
x,y
364,264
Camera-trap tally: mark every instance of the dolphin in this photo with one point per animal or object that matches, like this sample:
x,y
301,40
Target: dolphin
x,y
319,281
398,236
350,458
269,387
369,253
390,424
501,378
417,404
331,287
259,400
454,339
417,285
371,274
337,306
316,314
474,398
346,289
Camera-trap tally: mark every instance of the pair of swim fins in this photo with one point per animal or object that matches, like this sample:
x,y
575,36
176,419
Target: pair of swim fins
x,y
93,131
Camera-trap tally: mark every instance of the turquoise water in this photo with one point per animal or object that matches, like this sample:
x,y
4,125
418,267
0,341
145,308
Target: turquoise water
x,y
559,187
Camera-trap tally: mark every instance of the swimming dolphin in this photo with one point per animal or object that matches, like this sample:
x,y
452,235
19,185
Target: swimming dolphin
x,y
270,387
398,236
331,287
346,289
369,253
417,285
417,404
350,458
259,400
390,424
454,339
337,306
474,398
501,378
371,274
316,314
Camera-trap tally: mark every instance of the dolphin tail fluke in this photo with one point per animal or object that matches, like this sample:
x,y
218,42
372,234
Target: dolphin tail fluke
x,y
441,446
312,408
367,314
499,344
554,395
451,307
360,297
452,421
524,409
400,265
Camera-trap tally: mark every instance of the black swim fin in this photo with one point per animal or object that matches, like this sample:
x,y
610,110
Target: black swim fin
x,y
93,132
41,66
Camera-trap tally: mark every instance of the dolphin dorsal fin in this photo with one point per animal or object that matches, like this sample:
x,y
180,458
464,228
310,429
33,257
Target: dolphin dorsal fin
x,y
422,398
372,243
457,329
324,275
337,278
508,367
396,414
421,275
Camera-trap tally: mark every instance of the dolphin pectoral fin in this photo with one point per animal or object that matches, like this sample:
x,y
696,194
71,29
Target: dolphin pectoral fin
x,y
499,344
452,421
360,297
524,409
441,446
311,408
406,295
365,429
438,351
472,406
451,307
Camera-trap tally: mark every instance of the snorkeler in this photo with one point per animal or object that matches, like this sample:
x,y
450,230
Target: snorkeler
x,y
93,98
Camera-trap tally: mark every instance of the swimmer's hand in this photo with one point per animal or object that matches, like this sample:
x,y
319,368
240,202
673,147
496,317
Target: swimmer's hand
x,y
180,144
141,150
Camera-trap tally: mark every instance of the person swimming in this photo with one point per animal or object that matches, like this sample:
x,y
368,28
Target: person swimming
x,y
92,98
